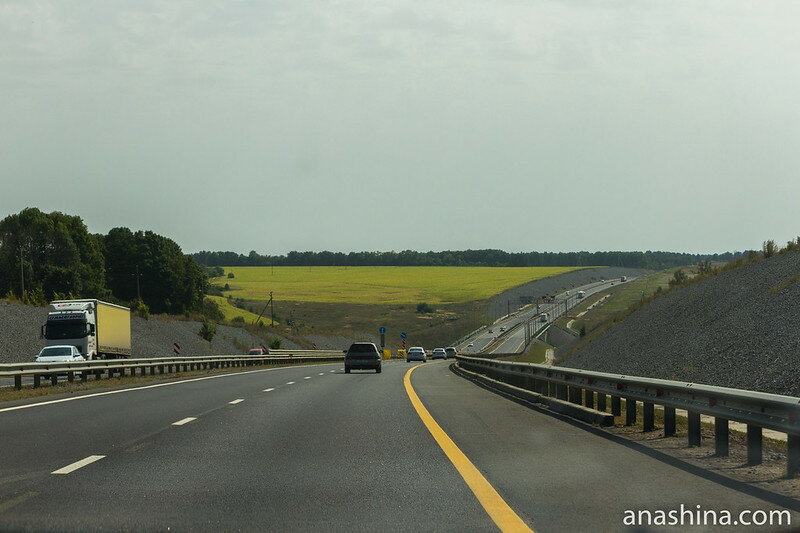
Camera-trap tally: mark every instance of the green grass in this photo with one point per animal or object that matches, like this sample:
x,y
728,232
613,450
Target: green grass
x,y
537,353
379,285
622,297
231,311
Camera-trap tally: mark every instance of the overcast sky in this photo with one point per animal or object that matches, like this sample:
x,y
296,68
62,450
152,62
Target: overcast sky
x,y
355,125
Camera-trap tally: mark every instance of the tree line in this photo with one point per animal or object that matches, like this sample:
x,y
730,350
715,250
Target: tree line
x,y
46,256
491,258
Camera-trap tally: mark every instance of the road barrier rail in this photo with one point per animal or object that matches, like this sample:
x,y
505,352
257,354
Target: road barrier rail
x,y
758,410
160,365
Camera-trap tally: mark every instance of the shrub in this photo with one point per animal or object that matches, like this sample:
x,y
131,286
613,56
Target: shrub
x,y
211,310
230,275
275,344
678,278
208,330
424,307
768,248
583,330
227,287
238,319
139,308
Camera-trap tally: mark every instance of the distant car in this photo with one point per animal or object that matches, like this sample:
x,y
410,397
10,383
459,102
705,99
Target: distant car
x,y
544,317
451,352
439,353
470,345
623,279
258,351
502,328
602,281
491,331
59,354
416,353
581,294
362,355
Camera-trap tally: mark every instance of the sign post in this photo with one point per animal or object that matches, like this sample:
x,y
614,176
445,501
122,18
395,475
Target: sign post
x,y
403,336
382,331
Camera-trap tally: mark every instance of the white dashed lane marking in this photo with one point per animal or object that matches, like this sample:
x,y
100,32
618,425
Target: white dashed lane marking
x,y
269,390
307,377
78,464
234,402
290,382
184,421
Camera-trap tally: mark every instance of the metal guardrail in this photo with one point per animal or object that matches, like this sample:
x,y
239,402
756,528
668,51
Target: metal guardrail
x,y
161,365
757,410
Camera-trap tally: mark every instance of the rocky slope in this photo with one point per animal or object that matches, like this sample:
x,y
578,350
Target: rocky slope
x,y
738,329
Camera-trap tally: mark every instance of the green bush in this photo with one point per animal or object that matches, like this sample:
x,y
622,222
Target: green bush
x,y
208,330
769,248
424,307
139,308
238,320
275,344
230,275
678,278
211,310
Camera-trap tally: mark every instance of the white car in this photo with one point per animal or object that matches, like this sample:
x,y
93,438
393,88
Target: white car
x,y
416,353
470,345
59,354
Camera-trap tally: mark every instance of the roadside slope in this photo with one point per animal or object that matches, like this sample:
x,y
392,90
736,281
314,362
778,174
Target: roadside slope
x,y
19,337
737,329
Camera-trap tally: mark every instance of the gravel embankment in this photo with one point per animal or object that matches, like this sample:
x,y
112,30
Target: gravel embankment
x,y
19,336
731,330
499,305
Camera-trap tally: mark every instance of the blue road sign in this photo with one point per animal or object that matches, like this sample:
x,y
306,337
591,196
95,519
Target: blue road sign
x,y
403,335
382,330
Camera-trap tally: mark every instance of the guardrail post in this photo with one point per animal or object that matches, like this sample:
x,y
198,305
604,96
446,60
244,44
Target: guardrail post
x,y
694,428
575,395
37,381
561,392
588,398
792,455
721,437
54,379
616,406
601,401
754,445
152,370
84,376
70,376
630,411
669,421
18,382
649,415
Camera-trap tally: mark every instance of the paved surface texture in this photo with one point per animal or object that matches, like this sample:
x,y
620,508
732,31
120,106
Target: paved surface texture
x,y
333,452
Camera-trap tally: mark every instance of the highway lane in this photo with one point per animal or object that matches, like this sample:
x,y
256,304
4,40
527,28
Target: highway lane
x,y
334,452
311,447
514,339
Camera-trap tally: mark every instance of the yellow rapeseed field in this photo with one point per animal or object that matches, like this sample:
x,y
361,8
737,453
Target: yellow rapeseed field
x,y
379,285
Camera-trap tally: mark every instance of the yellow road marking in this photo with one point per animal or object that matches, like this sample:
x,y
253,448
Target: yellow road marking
x,y
5,506
497,508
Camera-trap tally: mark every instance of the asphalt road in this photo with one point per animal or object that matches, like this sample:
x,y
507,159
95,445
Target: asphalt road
x,y
312,447
514,339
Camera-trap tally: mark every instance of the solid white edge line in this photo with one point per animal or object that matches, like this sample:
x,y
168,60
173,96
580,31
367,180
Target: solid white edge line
x,y
184,421
145,387
78,464
238,400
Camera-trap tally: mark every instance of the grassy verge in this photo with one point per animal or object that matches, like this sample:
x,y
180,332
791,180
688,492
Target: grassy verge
x,y
65,388
624,299
537,353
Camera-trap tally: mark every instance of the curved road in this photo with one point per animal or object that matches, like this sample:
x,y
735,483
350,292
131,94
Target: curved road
x,y
310,447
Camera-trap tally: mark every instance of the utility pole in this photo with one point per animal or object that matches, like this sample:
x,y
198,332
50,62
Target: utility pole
x,y
21,272
272,308
138,289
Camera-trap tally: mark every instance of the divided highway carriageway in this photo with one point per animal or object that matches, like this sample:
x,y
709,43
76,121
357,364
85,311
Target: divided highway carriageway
x,y
309,447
